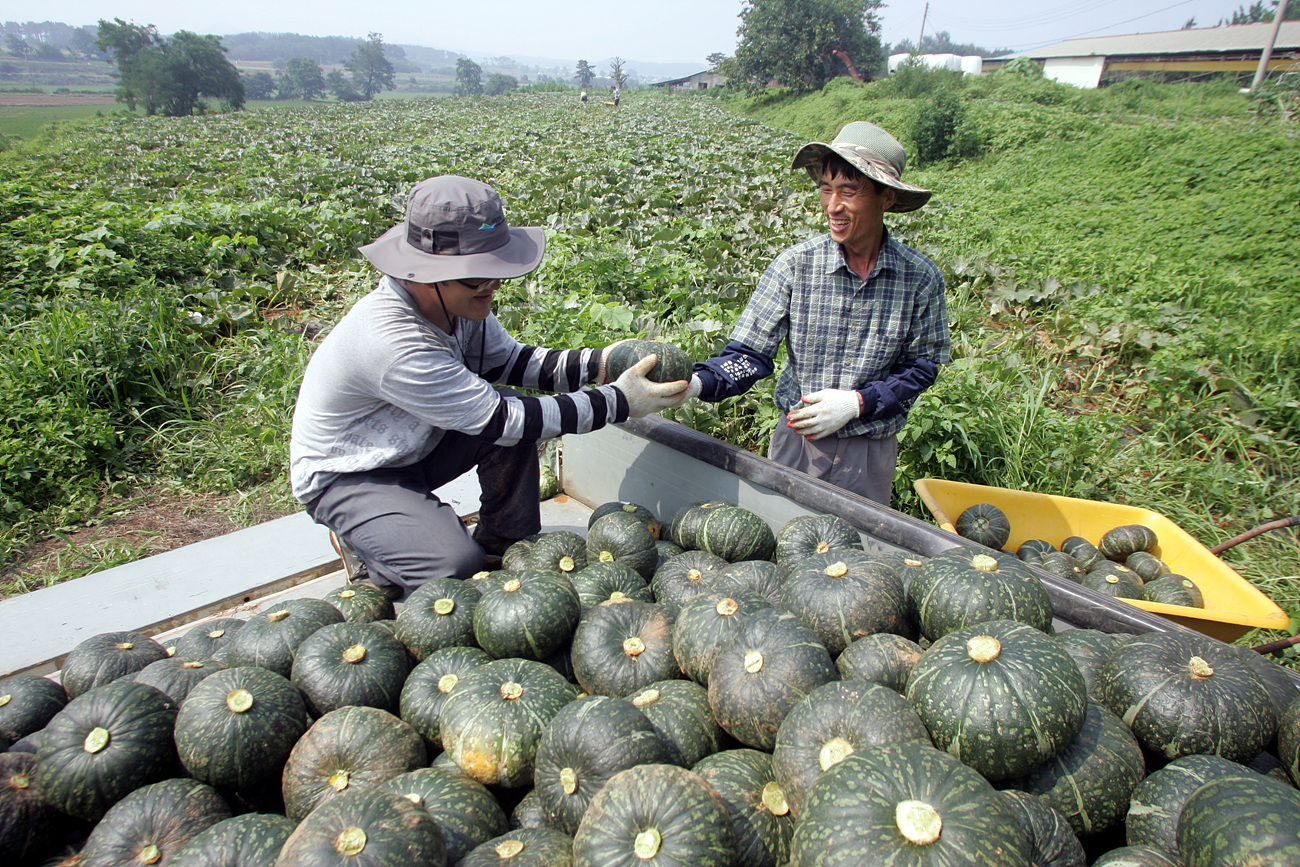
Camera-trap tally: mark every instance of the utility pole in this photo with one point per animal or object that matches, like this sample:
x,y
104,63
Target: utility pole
x,y
1267,53
926,13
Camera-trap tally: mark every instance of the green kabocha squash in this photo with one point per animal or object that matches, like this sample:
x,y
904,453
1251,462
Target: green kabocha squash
x,y
665,551
805,535
558,551
152,824
1241,820
619,537
623,645
207,639
350,664
437,614
428,686
517,555
735,534
655,814
1118,543
29,825
686,576
1186,693
348,749
673,364
1137,856
466,812
523,847
249,840
361,603
589,741
1158,801
685,526
679,711
1062,565
1090,781
641,513
1082,550
760,816
530,616
1148,566
961,587
600,582
772,663
1001,696
906,804
1052,841
106,657
105,744
831,723
365,827
271,637
883,658
705,624
176,675
548,483
755,576
984,523
844,595
1288,741
1110,579
493,721
27,703
1089,648
1173,590
528,813
237,728
1034,550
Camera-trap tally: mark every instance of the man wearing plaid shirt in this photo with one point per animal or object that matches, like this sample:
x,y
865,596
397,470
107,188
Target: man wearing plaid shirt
x,y
862,316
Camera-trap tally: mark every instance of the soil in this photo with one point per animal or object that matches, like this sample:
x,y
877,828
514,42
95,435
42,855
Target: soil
x,y
153,521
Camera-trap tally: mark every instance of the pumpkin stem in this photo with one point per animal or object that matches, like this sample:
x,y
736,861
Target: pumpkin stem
x,y
447,683
605,557
150,854
647,844
5,699
507,849
347,594
512,585
96,740
239,701
191,663
338,781
566,563
984,563
650,696
694,575
774,799
1200,667
354,654
20,781
754,661
444,606
277,616
511,690
838,569
920,823
633,646
984,648
833,752
216,633
569,780
350,841
727,607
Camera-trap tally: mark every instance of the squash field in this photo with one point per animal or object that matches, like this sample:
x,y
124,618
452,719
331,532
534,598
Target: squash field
x,y
1120,271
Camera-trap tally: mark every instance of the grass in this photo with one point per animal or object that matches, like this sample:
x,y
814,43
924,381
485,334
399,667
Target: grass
x,y
28,122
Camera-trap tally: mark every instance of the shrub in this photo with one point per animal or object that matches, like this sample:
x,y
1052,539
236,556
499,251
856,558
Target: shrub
x,y
940,129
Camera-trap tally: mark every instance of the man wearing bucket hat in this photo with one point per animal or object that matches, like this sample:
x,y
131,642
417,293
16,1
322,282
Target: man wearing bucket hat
x,y
399,398
862,317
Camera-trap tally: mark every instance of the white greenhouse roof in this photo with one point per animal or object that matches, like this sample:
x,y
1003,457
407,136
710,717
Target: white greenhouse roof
x,y
1243,37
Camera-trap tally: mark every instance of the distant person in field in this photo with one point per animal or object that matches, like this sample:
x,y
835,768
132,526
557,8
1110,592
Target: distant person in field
x,y
862,317
583,96
401,397
616,93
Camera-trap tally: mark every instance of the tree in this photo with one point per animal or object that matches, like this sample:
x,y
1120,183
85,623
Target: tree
x,y
469,78
584,74
343,90
499,83
371,71
616,72
791,41
259,85
302,77
1259,12
169,75
715,59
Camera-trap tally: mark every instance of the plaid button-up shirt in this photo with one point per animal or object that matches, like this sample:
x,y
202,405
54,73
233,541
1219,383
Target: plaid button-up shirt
x,y
842,331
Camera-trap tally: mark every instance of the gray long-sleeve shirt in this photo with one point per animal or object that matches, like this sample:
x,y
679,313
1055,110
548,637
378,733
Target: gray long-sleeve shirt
x,y
386,383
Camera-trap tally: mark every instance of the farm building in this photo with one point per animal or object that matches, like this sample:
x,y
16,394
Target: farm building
x,y
699,81
1088,62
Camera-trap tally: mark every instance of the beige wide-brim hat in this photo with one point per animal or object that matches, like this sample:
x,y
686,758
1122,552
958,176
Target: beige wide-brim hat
x,y
870,150
455,229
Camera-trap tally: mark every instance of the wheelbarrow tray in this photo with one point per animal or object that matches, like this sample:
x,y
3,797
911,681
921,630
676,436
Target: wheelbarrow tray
x,y
1233,605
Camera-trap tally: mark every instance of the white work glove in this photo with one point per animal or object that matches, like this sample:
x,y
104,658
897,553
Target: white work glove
x,y
645,397
824,412
601,378
693,390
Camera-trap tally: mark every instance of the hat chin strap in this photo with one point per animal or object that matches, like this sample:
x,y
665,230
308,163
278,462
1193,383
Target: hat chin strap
x,y
451,323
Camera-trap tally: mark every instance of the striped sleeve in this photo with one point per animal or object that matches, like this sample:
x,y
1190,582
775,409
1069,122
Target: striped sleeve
x,y
555,370
530,419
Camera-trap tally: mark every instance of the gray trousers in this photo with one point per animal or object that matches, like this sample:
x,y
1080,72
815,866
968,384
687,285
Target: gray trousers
x,y
407,536
859,464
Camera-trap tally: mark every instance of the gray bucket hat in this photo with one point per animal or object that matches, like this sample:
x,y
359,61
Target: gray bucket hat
x,y
870,150
455,229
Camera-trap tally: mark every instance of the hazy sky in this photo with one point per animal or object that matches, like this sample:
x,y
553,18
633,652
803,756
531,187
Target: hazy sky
x,y
648,30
